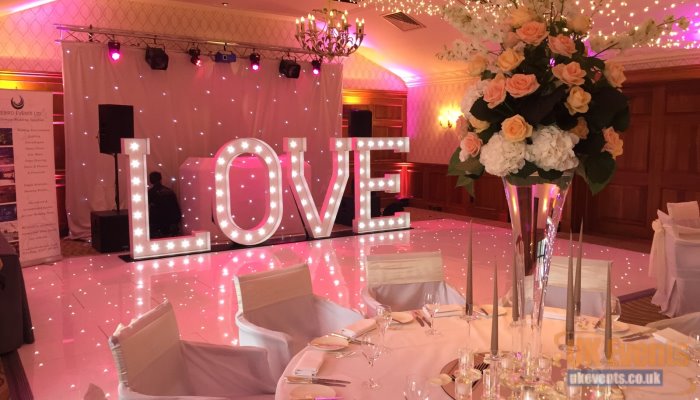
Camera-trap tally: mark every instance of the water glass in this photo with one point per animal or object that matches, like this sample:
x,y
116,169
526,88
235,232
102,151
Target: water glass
x,y
615,308
432,303
463,387
491,383
544,368
371,351
416,388
383,319
694,353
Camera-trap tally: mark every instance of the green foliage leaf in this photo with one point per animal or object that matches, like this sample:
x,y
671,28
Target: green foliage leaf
x,y
592,145
621,121
534,111
481,110
527,170
467,183
550,175
600,169
606,104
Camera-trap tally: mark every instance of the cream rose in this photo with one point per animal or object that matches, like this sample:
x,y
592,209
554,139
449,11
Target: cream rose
x,y
495,91
515,129
520,85
614,73
469,146
478,125
578,100
477,65
613,142
520,16
579,24
509,60
510,40
570,73
562,44
581,128
532,32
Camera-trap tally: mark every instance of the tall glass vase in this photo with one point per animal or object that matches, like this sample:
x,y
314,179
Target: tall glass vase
x,y
535,207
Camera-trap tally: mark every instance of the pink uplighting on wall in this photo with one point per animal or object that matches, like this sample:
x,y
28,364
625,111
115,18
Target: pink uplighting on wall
x,y
17,6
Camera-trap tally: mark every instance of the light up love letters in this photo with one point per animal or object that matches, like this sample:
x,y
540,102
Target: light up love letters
x,y
141,244
319,224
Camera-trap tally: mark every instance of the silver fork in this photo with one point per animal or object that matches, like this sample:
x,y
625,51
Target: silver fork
x,y
345,354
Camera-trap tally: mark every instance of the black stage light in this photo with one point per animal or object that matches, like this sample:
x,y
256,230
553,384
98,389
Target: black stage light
x,y
255,61
114,52
157,58
316,65
194,57
224,57
290,68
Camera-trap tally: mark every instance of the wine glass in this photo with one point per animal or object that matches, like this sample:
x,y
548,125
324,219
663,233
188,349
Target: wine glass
x,y
694,353
371,350
432,303
383,319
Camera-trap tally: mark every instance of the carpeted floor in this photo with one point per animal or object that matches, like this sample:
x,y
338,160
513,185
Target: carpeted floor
x,y
13,381
76,248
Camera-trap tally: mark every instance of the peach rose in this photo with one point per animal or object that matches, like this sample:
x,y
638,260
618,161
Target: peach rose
x,y
510,40
520,16
515,129
581,128
532,32
470,146
562,44
614,73
461,125
509,60
613,142
478,125
520,85
578,100
495,91
477,65
579,24
570,73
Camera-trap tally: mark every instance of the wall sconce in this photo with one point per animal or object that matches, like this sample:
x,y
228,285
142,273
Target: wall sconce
x,y
448,117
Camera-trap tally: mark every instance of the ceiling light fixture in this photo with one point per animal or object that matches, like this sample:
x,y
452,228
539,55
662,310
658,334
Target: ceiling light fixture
x,y
255,61
194,56
316,66
332,38
114,50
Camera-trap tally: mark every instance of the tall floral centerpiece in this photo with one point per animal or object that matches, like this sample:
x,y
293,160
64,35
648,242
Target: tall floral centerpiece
x,y
544,106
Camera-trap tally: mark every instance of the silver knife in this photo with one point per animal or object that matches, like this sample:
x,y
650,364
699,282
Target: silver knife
x,y
484,311
642,333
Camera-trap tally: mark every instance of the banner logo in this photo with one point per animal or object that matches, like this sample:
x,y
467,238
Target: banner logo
x,y
17,105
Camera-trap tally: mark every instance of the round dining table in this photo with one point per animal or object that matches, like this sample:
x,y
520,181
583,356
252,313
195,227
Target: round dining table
x,y
413,353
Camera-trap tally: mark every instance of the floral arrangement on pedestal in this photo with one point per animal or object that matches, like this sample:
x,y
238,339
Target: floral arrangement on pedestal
x,y
545,101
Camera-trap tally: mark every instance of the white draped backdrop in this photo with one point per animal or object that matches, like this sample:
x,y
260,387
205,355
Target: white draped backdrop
x,y
187,112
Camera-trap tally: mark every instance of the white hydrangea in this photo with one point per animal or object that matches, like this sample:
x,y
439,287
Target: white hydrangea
x,y
501,157
552,149
471,96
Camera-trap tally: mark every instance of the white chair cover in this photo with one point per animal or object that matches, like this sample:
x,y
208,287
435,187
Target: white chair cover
x,y
593,286
278,311
400,280
685,324
685,210
678,272
153,363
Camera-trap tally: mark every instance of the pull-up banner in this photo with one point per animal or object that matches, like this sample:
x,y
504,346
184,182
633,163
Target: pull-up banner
x,y
28,213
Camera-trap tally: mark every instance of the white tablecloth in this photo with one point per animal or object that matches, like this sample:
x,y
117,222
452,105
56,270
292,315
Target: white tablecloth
x,y
415,353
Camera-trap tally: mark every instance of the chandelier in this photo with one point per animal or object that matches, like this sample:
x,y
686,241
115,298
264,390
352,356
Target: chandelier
x,y
328,36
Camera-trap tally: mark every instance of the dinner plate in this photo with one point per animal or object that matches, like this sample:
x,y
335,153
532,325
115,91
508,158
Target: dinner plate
x,y
329,343
311,391
401,317
489,309
617,327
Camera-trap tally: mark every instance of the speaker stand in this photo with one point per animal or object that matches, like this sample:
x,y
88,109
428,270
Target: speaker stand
x,y
116,182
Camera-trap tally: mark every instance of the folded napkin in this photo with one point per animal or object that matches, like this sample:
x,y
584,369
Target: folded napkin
x,y
444,310
672,337
309,364
359,328
554,313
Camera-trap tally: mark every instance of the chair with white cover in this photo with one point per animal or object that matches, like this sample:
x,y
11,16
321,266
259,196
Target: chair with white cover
x,y
400,281
278,311
593,285
675,259
153,363
684,324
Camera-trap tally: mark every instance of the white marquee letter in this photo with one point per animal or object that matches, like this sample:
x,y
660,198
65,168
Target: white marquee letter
x,y
140,237
222,195
320,224
365,185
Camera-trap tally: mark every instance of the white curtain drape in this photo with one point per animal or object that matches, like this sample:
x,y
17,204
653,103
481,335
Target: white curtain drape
x,y
187,111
